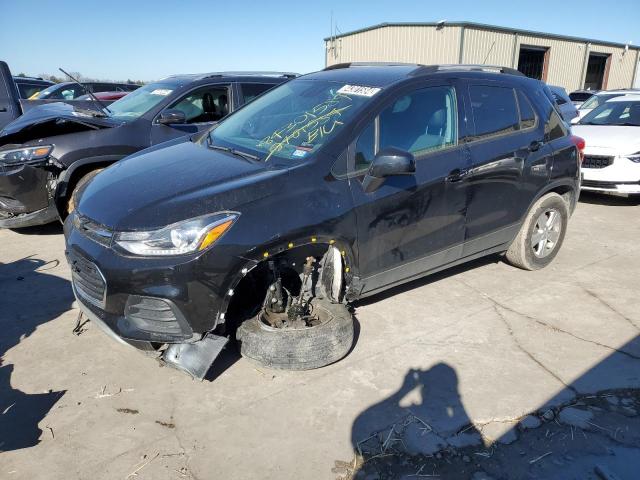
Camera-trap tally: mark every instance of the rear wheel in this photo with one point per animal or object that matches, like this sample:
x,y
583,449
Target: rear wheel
x,y
73,198
541,234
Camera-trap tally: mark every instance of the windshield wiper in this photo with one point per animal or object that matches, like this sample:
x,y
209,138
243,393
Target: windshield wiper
x,y
233,151
89,92
626,124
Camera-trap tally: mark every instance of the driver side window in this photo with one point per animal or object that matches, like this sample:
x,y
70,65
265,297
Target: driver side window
x,y
205,104
421,122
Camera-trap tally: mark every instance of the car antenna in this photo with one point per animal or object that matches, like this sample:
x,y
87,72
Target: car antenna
x,y
95,99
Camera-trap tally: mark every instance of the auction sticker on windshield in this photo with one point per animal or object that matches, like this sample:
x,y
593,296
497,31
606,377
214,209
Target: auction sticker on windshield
x,y
161,91
359,90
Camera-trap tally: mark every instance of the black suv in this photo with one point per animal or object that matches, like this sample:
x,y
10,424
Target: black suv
x,y
330,188
51,150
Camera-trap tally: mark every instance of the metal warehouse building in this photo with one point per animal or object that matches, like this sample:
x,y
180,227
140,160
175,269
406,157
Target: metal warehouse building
x,y
571,62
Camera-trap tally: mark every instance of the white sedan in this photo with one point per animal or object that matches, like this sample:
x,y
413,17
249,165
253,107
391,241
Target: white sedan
x,y
612,152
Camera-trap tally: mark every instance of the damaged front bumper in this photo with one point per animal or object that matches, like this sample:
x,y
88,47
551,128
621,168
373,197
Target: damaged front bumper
x,y
26,196
158,305
193,358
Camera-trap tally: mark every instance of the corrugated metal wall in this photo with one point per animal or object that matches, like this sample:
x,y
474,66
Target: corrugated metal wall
x,y
428,45
487,47
397,44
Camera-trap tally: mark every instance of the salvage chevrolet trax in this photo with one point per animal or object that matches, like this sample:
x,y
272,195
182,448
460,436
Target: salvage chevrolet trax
x,y
329,188
48,153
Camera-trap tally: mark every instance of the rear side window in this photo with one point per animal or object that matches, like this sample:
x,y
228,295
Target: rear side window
x,y
494,110
527,114
252,90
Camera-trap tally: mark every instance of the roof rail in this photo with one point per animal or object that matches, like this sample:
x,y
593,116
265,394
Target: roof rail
x,y
253,74
425,69
338,66
468,68
26,77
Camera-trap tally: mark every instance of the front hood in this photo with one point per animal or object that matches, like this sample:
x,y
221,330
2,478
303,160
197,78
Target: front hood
x,y
160,186
52,112
618,140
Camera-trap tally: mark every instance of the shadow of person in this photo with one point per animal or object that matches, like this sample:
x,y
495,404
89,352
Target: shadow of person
x,y
20,413
30,297
425,415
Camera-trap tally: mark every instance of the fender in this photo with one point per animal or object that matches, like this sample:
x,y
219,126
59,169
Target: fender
x,y
563,184
65,175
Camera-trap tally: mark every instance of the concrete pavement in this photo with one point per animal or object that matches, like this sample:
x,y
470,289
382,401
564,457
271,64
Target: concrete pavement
x,y
476,347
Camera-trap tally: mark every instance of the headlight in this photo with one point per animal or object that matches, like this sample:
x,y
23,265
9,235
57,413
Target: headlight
x,y
635,157
25,154
183,237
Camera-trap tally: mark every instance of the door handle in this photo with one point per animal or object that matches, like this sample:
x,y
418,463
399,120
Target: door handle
x,y
456,175
3,109
535,146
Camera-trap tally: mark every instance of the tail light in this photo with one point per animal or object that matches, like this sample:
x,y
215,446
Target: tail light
x,y
580,144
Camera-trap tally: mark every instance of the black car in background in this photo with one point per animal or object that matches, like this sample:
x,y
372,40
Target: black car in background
x,y
29,86
52,150
72,90
336,185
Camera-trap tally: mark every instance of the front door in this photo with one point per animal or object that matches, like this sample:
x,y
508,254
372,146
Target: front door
x,y
202,107
413,223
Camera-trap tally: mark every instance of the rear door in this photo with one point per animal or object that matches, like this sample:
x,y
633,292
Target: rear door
x,y
411,223
506,145
9,97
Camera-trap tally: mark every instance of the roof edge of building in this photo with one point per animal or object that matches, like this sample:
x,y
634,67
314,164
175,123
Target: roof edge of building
x,y
483,26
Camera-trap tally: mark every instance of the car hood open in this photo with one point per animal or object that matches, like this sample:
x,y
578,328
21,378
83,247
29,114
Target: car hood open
x,y
161,186
624,140
50,115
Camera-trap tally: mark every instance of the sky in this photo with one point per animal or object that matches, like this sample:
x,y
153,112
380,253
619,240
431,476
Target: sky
x,y
148,40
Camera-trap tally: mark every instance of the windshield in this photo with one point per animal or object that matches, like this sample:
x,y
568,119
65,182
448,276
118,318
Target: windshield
x,y
293,120
140,101
597,100
615,113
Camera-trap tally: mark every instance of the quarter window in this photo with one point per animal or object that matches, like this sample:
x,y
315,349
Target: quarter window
x,y
527,115
494,110
420,122
554,127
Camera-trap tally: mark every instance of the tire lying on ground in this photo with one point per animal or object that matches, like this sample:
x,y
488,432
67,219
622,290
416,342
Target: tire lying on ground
x,y
302,348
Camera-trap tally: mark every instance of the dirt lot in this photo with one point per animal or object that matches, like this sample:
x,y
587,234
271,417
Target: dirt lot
x,y
442,372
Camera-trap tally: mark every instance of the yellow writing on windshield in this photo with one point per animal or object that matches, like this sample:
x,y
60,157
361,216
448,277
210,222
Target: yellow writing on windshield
x,y
308,127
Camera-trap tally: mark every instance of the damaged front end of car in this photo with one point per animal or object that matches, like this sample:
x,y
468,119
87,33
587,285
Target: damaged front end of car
x,y
28,180
30,168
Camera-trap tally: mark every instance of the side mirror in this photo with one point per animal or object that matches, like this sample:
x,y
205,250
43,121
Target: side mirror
x,y
388,162
172,116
